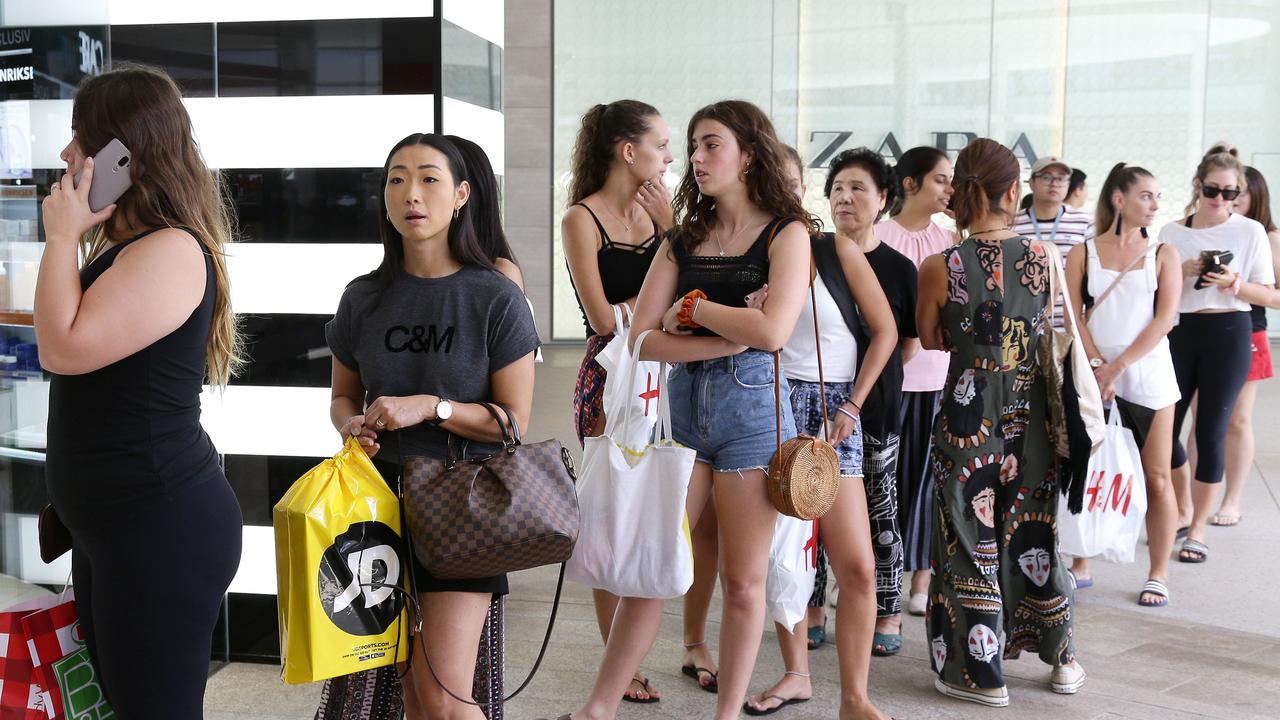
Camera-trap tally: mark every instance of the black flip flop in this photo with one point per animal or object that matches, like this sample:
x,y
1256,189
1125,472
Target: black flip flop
x,y
746,707
694,671
645,687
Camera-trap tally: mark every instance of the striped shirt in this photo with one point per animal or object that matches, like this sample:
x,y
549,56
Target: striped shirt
x,y
1074,227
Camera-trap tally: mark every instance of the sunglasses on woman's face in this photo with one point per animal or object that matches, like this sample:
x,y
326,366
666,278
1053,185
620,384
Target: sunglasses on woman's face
x,y
1212,192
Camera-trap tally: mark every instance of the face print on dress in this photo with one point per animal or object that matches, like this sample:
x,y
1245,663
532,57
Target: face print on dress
x,y
980,477
988,323
1035,564
963,408
940,624
983,643
939,647
1016,333
957,285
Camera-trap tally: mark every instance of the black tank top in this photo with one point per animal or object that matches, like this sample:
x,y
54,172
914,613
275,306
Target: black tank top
x,y
622,267
727,280
130,432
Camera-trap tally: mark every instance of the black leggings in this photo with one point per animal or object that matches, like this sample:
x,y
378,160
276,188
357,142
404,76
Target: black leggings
x,y
1212,353
148,590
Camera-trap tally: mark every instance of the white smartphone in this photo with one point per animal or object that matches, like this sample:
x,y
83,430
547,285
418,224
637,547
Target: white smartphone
x,y
111,175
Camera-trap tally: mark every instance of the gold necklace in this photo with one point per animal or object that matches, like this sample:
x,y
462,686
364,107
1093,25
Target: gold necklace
x,y
625,226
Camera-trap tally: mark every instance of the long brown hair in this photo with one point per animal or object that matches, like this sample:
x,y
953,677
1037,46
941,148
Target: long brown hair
x,y
984,170
603,127
1120,179
1222,156
766,178
172,187
1259,199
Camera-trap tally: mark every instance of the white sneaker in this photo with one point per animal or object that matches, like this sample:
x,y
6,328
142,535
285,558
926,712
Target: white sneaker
x,y
1067,679
991,697
917,604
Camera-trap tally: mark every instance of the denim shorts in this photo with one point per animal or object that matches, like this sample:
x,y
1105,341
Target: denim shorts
x,y
806,405
724,410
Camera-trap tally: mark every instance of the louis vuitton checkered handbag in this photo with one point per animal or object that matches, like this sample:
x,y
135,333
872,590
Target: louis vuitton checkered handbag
x,y
514,510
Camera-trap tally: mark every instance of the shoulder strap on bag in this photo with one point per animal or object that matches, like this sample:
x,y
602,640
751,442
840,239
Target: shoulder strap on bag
x,y
777,366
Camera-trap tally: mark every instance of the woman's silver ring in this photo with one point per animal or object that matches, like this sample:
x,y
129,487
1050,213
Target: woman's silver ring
x,y
648,183
381,424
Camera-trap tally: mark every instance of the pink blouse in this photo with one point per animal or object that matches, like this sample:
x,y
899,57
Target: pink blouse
x,y
927,371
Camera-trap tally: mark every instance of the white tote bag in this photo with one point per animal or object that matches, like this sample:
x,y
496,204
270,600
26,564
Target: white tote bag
x,y
1115,501
631,390
792,570
634,535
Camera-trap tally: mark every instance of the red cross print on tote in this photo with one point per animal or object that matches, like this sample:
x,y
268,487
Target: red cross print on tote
x,y
650,392
811,547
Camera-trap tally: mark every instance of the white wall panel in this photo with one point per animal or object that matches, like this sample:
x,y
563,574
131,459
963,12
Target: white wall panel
x,y
272,132
137,12
486,18
295,277
485,127
264,420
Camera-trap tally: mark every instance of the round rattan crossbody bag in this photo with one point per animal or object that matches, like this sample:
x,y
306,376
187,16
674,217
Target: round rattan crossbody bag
x,y
804,474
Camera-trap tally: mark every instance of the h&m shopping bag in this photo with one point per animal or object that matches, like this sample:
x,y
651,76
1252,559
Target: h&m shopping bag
x,y
67,678
792,570
339,566
1115,501
634,537
631,388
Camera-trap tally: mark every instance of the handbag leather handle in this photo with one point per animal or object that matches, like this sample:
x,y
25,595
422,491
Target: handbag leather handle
x,y
777,363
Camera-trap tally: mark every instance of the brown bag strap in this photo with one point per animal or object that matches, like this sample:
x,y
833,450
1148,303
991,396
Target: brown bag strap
x,y
777,365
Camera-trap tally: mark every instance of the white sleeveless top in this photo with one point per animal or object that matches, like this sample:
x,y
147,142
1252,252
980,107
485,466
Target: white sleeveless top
x,y
1121,317
839,347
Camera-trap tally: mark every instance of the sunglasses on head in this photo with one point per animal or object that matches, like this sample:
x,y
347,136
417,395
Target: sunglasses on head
x,y
1212,192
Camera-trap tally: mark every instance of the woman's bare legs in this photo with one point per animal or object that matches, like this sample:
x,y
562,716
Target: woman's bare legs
x,y
1162,509
1239,460
697,602
635,627
745,540
452,623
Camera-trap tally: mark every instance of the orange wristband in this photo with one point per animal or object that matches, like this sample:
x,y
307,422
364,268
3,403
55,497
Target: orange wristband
x,y
687,304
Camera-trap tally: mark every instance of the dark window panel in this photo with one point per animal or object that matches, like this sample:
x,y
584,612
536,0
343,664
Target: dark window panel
x,y
185,51
391,56
472,68
285,350
259,481
307,205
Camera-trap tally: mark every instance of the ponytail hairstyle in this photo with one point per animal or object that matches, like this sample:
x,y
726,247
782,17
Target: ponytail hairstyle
x,y
1222,156
984,170
917,164
1259,199
603,127
172,187
1120,179
765,179
485,197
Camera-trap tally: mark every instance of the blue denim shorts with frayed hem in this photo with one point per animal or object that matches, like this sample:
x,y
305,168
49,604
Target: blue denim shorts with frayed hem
x,y
725,410
806,405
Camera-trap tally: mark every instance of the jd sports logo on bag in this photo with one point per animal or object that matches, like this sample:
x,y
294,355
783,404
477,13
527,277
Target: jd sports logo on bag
x,y
351,571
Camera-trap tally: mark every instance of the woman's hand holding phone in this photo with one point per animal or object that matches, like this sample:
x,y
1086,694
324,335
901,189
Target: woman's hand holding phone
x,y
66,211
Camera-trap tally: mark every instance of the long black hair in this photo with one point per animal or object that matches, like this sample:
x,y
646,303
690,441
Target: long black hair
x,y
464,243
916,163
486,199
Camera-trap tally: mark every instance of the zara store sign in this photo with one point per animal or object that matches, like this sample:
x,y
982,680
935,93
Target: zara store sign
x,y
826,143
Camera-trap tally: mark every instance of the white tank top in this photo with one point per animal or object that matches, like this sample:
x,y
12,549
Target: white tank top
x,y
839,348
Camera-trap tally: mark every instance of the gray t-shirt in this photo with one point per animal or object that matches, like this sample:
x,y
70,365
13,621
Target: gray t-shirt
x,y
435,336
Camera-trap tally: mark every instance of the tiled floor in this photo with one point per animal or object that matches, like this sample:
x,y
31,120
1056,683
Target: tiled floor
x,y
1214,653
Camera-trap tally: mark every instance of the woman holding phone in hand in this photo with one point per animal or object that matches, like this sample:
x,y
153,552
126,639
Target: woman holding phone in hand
x,y
129,340
417,345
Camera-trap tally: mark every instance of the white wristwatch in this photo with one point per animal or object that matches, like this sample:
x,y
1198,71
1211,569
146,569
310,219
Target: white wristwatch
x,y
444,411
1096,362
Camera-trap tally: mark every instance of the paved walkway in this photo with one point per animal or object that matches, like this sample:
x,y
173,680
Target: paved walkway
x,y
1214,653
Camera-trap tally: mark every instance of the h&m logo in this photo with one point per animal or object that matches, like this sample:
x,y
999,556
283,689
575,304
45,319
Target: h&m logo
x,y
948,141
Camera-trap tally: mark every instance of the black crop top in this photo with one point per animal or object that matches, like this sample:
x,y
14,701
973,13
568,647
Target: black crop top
x,y
622,267
727,280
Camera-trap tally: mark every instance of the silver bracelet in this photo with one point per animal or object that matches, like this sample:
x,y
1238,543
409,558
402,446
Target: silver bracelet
x,y
846,413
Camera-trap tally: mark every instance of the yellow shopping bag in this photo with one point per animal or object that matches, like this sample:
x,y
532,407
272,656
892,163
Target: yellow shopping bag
x,y
338,552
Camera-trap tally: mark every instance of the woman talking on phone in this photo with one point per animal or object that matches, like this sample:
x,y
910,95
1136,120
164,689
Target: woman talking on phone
x,y
129,340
